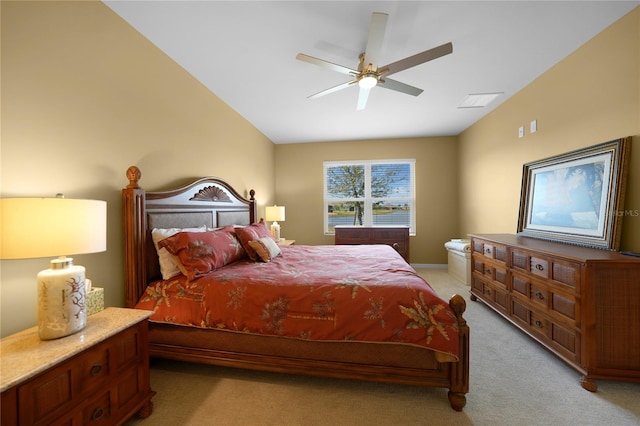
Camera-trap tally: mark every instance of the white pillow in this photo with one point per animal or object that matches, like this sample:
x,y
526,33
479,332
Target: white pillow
x,y
266,248
168,262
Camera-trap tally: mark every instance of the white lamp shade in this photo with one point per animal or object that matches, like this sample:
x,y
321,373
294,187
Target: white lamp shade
x,y
47,227
274,213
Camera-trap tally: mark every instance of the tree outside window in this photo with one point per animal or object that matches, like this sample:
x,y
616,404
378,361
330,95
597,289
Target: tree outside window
x,y
371,193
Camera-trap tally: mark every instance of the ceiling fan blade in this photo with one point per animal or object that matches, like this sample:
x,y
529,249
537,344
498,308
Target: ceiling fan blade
x,y
326,64
399,87
332,89
417,59
362,98
375,39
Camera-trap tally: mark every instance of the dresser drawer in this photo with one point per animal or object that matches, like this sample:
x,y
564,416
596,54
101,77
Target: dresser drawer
x,y
389,235
395,236
562,338
557,270
490,250
491,271
539,266
567,273
552,300
352,235
539,295
491,293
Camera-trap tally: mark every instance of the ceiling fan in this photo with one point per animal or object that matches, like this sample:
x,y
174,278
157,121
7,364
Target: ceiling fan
x,y
369,74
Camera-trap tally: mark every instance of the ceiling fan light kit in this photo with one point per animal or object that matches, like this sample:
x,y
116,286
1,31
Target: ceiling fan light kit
x,y
368,81
369,76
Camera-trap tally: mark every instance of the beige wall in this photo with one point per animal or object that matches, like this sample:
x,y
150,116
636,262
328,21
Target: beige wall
x,y
84,96
299,187
592,96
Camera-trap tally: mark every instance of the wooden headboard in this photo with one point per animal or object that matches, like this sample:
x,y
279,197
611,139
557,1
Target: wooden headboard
x,y
207,201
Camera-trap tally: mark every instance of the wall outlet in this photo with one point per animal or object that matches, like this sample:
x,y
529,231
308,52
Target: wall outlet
x,y
533,126
521,131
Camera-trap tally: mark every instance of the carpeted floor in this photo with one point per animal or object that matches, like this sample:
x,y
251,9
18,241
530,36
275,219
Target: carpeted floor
x,y
514,381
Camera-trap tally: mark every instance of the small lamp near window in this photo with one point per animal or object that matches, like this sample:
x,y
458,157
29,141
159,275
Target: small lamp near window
x,y
275,214
47,227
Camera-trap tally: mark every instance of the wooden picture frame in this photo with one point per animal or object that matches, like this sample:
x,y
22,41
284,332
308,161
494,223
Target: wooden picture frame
x,y
576,197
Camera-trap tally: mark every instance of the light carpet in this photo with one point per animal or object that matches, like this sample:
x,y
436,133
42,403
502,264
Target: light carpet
x,y
513,381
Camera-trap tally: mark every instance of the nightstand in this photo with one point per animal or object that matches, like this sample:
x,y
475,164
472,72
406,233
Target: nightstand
x,y
286,242
99,374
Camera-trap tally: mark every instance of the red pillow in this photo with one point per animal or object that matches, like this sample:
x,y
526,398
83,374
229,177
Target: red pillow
x,y
255,231
203,252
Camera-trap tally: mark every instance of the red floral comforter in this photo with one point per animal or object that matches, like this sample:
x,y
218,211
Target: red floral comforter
x,y
332,293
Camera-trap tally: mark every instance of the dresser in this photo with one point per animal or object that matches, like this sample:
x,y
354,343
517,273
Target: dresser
x,y
395,236
582,304
98,376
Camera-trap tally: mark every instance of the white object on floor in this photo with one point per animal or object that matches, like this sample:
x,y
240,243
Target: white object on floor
x,y
459,267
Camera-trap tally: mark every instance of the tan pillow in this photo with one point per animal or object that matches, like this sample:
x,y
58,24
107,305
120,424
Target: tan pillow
x,y
252,232
266,248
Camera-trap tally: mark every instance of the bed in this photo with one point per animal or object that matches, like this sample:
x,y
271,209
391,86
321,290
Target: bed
x,y
203,311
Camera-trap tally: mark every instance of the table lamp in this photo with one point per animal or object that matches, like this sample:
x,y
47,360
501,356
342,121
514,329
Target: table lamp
x,y
274,213
47,227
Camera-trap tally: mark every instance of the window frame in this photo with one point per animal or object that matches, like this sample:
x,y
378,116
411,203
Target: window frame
x,y
368,199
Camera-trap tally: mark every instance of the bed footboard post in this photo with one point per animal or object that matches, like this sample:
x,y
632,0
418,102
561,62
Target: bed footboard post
x,y
459,385
134,222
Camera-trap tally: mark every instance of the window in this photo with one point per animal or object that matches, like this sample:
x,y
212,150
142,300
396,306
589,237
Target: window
x,y
370,193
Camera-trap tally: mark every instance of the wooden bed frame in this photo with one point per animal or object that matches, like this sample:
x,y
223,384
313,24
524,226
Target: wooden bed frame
x,y
213,202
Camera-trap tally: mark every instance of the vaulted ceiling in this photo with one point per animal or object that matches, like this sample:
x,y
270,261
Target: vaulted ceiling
x,y
245,53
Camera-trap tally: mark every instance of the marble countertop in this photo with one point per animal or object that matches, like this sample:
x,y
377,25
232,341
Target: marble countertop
x,y
23,355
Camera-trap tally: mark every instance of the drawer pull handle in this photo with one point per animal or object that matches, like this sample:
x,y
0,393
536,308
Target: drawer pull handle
x,y
97,413
539,323
487,271
539,267
487,250
539,295
96,369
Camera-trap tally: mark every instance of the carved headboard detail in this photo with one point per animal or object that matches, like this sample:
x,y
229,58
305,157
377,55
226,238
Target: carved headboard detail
x,y
211,193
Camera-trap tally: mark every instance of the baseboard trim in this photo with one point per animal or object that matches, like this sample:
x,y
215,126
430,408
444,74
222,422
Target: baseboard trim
x,y
430,265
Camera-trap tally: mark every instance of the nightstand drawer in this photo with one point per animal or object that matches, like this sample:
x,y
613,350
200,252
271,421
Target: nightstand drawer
x,y
47,396
56,391
127,349
98,376
93,369
98,411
